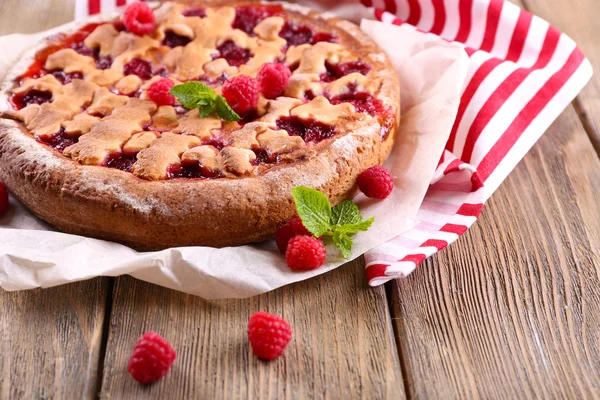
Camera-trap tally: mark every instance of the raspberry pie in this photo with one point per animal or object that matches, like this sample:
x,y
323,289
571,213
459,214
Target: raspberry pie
x,y
93,141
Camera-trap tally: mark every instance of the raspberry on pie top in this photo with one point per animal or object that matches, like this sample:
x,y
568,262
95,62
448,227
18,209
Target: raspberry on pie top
x,y
88,128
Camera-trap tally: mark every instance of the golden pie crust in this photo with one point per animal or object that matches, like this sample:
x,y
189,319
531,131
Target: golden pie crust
x,y
73,191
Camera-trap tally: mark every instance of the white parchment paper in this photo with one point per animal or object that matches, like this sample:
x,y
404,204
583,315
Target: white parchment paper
x,y
431,73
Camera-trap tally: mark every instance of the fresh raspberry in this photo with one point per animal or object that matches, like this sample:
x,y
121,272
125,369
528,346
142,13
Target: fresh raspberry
x,y
3,198
139,18
139,67
292,228
268,335
305,253
151,358
158,92
376,182
241,93
273,79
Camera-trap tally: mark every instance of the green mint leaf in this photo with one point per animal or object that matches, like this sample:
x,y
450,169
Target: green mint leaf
x,y
194,95
313,208
224,111
345,212
351,229
206,110
343,242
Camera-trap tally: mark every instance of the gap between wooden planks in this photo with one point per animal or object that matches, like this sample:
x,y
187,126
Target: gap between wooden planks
x,y
512,309
51,343
343,342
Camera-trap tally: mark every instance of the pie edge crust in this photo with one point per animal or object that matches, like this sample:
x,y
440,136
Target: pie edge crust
x,y
114,205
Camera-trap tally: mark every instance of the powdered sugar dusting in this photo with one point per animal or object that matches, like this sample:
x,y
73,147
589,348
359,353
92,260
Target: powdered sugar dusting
x,y
33,153
144,205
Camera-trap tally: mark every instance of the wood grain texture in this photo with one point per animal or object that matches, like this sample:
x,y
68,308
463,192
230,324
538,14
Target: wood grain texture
x,y
51,341
512,309
580,20
343,342
30,16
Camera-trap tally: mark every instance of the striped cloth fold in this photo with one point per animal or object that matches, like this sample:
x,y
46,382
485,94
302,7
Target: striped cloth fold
x,y
523,72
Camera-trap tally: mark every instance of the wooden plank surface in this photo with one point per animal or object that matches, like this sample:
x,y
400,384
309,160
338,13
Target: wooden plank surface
x,y
580,20
51,345
342,346
31,16
512,309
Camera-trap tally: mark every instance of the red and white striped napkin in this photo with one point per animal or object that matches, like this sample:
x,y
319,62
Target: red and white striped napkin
x,y
523,72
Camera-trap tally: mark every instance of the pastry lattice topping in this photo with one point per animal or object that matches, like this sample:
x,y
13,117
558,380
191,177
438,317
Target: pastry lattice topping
x,y
88,96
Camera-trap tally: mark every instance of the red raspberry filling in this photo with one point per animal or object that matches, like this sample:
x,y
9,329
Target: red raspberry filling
x,y
31,96
362,102
65,78
194,12
139,67
139,19
325,37
60,141
295,34
219,80
248,16
262,157
3,198
174,40
336,71
273,79
121,161
61,41
268,335
151,358
82,49
234,54
241,93
104,62
309,130
191,170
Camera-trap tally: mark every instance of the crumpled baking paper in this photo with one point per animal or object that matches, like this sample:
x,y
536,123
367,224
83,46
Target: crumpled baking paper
x,y
431,73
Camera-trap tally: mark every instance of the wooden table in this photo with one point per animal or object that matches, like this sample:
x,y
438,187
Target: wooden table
x,y
512,310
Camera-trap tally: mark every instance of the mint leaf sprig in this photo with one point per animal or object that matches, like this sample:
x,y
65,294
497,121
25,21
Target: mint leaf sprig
x,y
339,222
197,95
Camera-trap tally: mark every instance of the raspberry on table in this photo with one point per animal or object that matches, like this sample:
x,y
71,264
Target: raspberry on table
x,y
3,198
139,18
268,335
305,253
151,358
292,228
241,93
376,182
158,92
273,79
